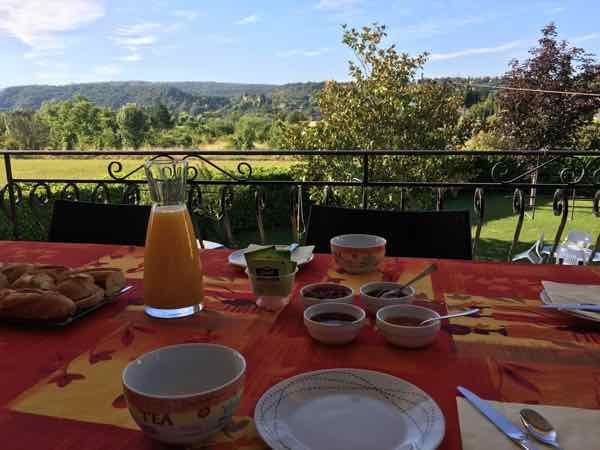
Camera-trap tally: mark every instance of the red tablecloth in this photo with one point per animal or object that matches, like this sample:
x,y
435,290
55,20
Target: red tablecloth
x,y
61,389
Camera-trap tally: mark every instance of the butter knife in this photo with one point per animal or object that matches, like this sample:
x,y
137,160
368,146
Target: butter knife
x,y
513,432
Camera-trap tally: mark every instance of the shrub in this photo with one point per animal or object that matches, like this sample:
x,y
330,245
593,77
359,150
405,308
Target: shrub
x,y
33,223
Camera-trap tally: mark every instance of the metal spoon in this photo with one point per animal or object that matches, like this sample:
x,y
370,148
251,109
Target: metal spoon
x,y
398,291
460,314
539,427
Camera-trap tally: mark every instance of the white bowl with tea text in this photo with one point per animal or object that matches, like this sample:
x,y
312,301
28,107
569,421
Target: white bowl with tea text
x,y
182,394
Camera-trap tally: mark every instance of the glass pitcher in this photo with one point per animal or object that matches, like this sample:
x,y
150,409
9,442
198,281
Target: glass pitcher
x,y
172,267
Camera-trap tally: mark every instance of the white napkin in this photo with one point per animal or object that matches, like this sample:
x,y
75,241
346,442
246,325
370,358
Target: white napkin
x,y
301,254
561,293
577,428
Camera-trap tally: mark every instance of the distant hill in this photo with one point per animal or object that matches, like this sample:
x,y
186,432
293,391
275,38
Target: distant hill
x,y
191,96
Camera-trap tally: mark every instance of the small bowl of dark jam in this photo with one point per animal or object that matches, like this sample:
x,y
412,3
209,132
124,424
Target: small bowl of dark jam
x,y
400,325
373,295
334,323
314,294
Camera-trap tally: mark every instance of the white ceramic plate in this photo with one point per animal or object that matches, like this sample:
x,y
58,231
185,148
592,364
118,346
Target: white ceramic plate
x,y
587,315
237,258
348,409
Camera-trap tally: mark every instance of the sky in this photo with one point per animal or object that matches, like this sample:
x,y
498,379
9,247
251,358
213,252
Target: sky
x,y
268,41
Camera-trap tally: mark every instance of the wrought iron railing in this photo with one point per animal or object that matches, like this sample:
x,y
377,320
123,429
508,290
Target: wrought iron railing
x,y
567,175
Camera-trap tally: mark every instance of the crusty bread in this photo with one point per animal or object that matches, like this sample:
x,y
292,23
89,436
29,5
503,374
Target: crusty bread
x,y
35,304
54,271
77,286
91,300
34,280
111,280
49,292
12,271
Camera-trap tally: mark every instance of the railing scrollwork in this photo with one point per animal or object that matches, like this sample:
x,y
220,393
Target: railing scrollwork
x,y
100,193
596,211
131,194
40,200
225,216
519,206
479,209
560,207
259,197
212,186
11,197
70,192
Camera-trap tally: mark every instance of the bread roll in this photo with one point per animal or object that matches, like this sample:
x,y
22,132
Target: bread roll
x,y
111,280
77,286
12,271
35,281
35,304
92,300
54,271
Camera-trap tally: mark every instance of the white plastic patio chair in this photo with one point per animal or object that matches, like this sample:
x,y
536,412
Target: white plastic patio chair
x,y
534,254
569,256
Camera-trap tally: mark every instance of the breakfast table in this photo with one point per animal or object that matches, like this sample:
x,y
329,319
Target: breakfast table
x,y
61,387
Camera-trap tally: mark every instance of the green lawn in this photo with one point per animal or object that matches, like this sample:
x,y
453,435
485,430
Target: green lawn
x,y
69,168
499,228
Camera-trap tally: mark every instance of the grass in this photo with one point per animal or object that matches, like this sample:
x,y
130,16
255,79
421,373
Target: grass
x,y
498,230
69,168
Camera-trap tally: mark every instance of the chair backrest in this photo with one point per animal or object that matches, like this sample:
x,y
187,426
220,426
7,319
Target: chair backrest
x,y
425,234
579,237
98,223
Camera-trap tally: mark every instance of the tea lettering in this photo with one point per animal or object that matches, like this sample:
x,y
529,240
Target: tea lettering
x,y
157,419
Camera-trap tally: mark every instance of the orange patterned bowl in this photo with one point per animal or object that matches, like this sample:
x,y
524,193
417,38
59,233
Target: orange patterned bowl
x,y
184,393
358,253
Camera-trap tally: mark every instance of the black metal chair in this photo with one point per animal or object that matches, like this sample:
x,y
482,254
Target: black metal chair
x,y
98,223
420,234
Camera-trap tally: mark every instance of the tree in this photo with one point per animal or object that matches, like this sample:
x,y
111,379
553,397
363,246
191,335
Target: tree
x,y
296,117
76,123
534,120
133,124
109,137
384,106
26,130
251,128
160,117
588,137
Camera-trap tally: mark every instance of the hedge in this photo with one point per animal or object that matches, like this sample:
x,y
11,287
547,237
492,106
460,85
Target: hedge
x,y
243,213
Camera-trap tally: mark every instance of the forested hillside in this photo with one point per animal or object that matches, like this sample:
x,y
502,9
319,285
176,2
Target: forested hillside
x,y
191,97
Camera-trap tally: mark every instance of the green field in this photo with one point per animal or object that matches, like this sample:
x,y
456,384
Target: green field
x,y
69,168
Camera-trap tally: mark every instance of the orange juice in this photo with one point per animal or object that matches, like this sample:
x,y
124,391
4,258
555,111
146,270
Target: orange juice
x,y
172,267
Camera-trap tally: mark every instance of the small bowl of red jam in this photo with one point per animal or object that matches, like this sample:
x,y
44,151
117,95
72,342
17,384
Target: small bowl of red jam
x,y
317,293
400,325
334,323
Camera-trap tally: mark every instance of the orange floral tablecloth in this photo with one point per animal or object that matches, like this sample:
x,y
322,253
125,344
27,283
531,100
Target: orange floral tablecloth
x,y
61,389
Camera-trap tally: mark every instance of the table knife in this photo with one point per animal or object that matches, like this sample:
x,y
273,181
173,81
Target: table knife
x,y
515,434
580,306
